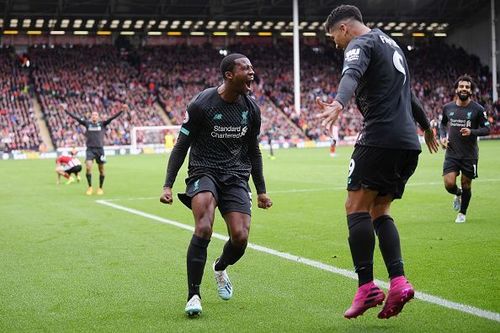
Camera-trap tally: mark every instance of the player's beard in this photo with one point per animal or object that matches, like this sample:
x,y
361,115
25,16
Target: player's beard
x,y
464,96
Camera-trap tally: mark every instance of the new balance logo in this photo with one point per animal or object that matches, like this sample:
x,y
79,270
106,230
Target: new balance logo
x,y
218,116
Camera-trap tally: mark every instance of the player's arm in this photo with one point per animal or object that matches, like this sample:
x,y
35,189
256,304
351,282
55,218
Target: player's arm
x,y
483,125
443,133
330,111
263,200
80,120
419,115
178,155
347,86
356,62
124,108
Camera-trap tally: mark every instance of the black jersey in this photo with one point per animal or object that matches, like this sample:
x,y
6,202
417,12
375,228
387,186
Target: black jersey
x,y
95,131
457,117
383,93
223,138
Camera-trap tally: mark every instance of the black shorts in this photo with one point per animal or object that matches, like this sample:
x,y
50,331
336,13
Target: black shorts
x,y
383,170
76,169
468,167
96,154
229,198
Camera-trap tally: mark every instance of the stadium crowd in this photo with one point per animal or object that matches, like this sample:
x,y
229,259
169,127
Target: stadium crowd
x,y
100,78
88,79
18,126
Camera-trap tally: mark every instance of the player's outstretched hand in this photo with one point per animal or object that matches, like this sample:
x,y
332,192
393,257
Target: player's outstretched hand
x,y
430,141
444,143
264,201
166,196
329,112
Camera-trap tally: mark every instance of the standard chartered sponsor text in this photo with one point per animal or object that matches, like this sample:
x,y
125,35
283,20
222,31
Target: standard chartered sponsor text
x,y
228,132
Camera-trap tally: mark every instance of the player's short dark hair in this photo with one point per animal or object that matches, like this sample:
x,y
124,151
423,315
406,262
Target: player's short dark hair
x,y
340,13
227,63
466,78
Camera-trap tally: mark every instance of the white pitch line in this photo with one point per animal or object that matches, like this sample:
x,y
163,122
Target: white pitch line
x,y
133,199
316,264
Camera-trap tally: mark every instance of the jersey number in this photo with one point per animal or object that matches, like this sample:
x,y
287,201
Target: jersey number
x,y
352,164
397,60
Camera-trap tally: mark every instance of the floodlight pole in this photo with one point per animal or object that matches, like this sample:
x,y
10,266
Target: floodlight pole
x,y
493,54
296,56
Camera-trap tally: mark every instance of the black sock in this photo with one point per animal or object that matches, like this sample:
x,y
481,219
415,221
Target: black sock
x,y
230,255
389,244
466,195
101,180
196,258
362,245
89,179
455,190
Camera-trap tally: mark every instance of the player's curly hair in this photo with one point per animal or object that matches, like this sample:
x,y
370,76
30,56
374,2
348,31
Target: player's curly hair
x,y
227,63
340,13
465,78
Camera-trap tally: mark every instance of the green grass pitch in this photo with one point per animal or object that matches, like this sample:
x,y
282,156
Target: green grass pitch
x,y
68,263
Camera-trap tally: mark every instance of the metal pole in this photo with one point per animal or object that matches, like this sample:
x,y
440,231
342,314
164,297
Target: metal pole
x,y
296,56
493,53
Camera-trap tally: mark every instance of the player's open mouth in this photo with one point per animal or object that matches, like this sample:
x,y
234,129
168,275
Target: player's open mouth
x,y
248,84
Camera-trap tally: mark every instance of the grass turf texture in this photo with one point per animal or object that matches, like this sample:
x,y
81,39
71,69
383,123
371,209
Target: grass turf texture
x,y
70,264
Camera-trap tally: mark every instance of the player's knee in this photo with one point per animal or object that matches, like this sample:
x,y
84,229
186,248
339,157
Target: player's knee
x,y
450,187
353,206
203,229
240,238
348,205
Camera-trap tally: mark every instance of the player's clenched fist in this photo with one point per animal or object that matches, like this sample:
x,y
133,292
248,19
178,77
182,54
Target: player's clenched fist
x,y
166,196
264,201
